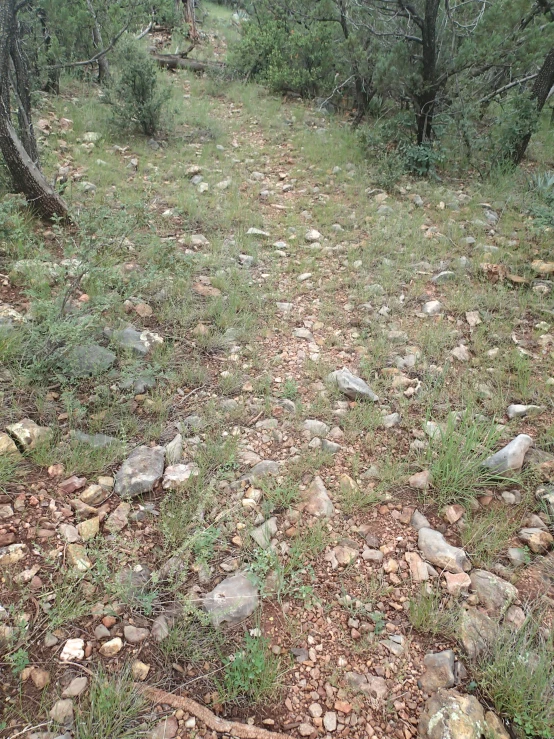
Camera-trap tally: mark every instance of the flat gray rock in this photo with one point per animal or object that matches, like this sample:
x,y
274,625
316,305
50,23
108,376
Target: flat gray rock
x,y
88,361
232,600
351,385
511,456
140,472
263,534
317,501
475,631
262,469
439,671
440,553
495,594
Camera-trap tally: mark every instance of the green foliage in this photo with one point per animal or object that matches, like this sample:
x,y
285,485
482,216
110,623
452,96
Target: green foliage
x,y
517,674
112,707
18,661
138,95
251,673
430,613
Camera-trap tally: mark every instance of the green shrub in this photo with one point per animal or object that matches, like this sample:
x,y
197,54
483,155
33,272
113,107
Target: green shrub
x,y
138,95
251,673
298,60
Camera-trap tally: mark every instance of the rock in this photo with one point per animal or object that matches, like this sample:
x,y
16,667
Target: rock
x,y
73,649
168,728
315,710
94,495
140,472
90,360
317,501
62,712
461,353
111,648
457,584
374,687
312,236
443,277
174,450
511,456
440,553
257,232
129,339
160,628
315,428
101,632
494,727
264,533
495,594
40,678
12,554
6,511
69,533
330,721
232,600
118,519
352,386
89,528
330,446
451,715
475,631
421,480
439,671
453,513
135,635
77,557
518,557
473,318
176,475
345,555
393,419
28,434
519,411
75,687
8,447
140,670
261,470
306,729
418,521
431,308
96,441
538,540
418,568
515,617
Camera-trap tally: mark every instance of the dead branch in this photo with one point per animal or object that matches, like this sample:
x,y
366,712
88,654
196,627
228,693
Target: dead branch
x,y
213,722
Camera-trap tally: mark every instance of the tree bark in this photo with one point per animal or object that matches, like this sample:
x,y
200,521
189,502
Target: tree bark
x,y
539,94
20,155
426,98
103,64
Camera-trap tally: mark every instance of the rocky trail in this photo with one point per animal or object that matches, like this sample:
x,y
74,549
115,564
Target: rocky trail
x,y
311,429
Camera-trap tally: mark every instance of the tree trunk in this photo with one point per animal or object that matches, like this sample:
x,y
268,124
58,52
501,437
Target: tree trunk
x,y
21,160
190,18
103,64
539,94
426,97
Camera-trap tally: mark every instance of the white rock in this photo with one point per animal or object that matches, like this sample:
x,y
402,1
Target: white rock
x,y
511,456
73,649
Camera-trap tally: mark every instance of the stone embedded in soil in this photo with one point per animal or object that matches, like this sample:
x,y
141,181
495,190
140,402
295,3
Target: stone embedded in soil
x,y
75,687
160,628
262,469
139,342
8,446
440,553
453,513
315,428
418,521
39,677
28,434
177,475
495,727
112,647
135,635
494,593
232,600
345,555
457,584
511,456
94,495
451,715
475,631
317,501
89,360
168,728
62,712
520,411
174,450
77,557
421,480
118,519
330,721
518,556
96,441
140,670
263,534
371,685
539,541
73,649
431,308
352,386
140,472
418,568
439,671
89,529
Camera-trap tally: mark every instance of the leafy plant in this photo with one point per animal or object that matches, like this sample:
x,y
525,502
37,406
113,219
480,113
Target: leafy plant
x,y
251,673
18,661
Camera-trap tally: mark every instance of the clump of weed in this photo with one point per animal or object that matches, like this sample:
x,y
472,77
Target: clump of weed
x,y
251,674
487,534
516,673
430,613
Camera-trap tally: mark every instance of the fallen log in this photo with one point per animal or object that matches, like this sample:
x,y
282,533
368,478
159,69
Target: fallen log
x,y
176,61
213,722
